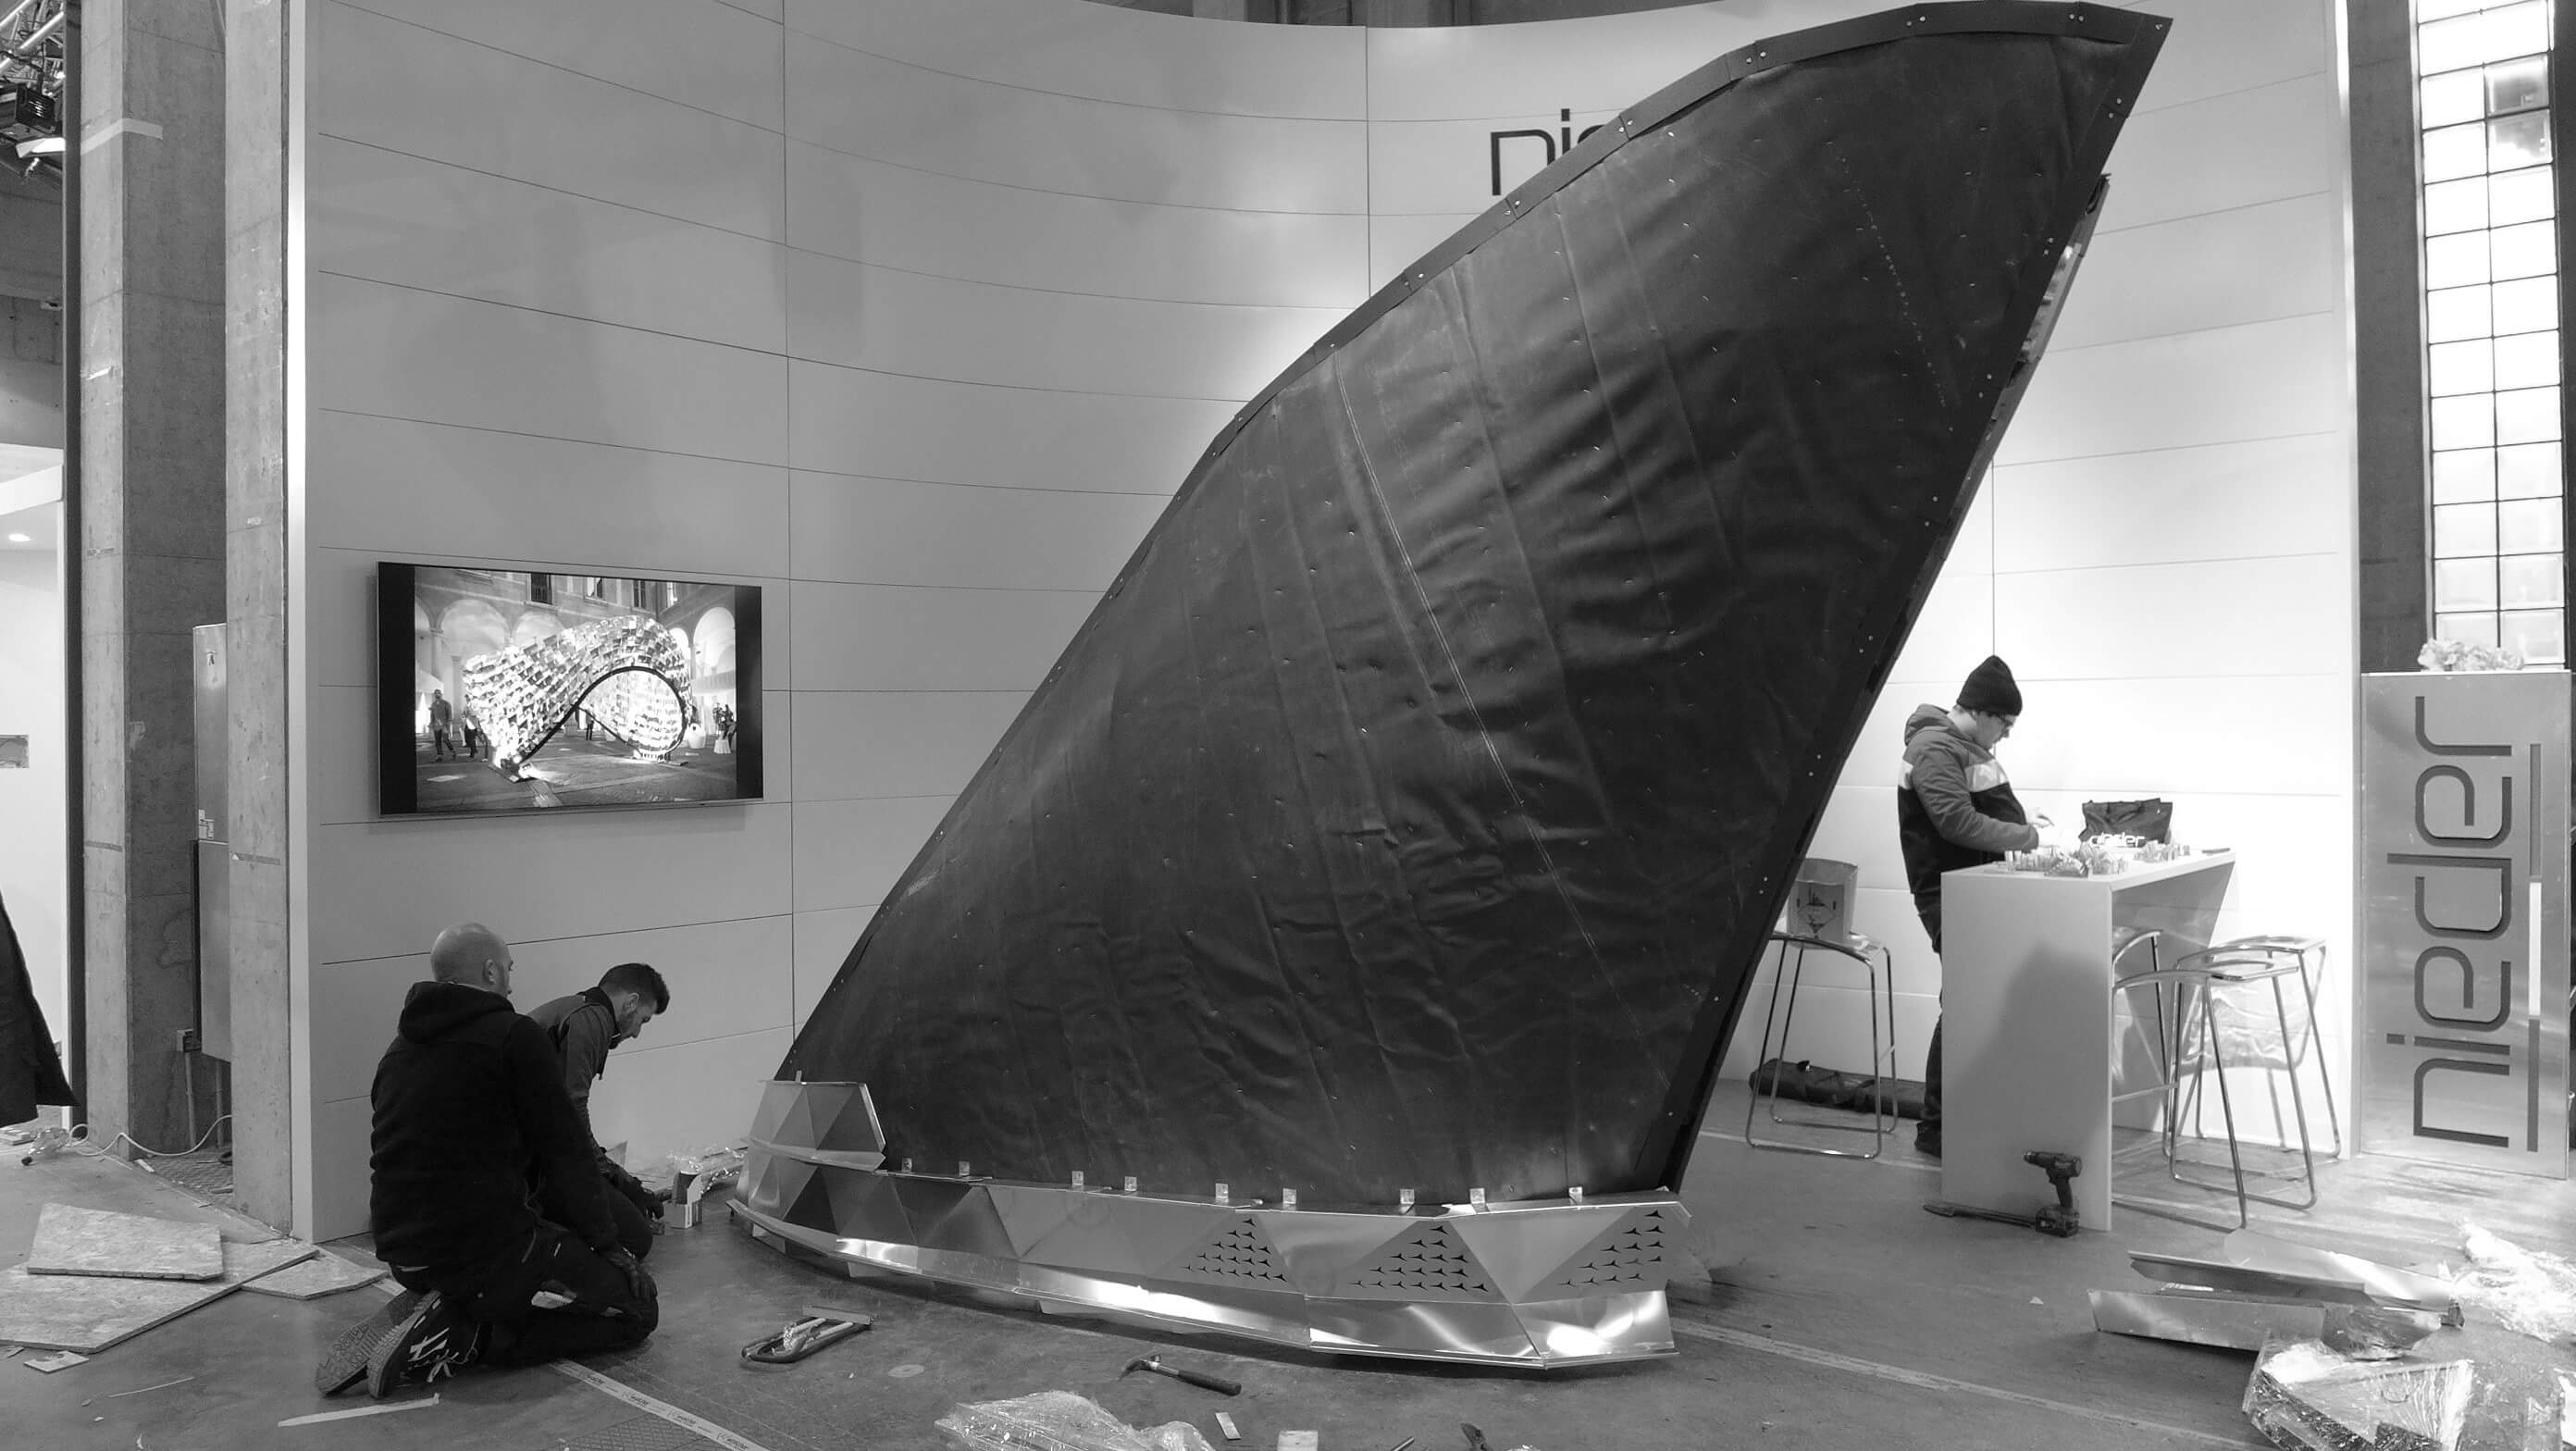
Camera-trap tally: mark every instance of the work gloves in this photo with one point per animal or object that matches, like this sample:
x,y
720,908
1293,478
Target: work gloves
x,y
638,1280
648,1201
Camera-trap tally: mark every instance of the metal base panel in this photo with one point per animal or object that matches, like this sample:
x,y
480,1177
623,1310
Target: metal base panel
x,y
1538,1285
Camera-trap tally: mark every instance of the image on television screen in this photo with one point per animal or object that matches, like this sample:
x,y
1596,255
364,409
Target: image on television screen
x,y
527,691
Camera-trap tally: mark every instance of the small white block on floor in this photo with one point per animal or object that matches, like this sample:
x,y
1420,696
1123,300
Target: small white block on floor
x,y
324,1274
74,1241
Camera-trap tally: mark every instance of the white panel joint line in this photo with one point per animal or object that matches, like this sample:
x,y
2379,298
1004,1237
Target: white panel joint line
x,y
642,1402
118,127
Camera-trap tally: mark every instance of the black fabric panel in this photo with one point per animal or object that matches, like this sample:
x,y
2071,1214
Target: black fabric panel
x,y
1411,811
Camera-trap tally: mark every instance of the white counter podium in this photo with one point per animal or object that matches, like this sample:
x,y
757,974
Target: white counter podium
x,y
2027,1017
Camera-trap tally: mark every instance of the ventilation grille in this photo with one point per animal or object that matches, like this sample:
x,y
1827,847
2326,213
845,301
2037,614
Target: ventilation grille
x,y
1631,1256
1239,1254
1428,1259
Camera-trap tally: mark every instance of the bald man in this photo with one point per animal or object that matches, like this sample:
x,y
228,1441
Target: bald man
x,y
473,1132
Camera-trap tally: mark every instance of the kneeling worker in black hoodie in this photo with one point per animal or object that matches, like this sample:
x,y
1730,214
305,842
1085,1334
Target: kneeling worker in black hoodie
x,y
473,1130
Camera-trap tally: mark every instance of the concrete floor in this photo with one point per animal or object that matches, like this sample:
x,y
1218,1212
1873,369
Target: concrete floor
x,y
1827,1311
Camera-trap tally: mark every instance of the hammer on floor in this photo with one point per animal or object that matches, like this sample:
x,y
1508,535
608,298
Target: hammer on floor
x,y
1216,1383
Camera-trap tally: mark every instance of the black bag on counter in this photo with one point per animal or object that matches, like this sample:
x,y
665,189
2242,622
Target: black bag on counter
x,y
2148,820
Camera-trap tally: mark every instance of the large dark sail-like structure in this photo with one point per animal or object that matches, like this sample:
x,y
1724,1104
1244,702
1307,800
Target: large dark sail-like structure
x,y
1407,819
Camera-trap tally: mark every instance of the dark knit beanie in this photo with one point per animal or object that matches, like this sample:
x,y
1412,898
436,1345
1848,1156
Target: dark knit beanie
x,y
1990,689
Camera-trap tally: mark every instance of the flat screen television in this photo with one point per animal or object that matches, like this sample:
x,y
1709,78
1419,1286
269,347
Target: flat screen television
x,y
512,690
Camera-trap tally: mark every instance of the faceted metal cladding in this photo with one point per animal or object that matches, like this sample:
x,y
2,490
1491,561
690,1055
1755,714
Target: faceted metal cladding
x,y
628,672
1541,1285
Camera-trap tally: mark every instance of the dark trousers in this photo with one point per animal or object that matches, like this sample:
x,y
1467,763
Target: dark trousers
x,y
1930,912
551,1298
438,741
634,1226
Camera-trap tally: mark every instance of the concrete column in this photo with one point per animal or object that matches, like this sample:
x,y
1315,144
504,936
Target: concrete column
x,y
151,90
255,425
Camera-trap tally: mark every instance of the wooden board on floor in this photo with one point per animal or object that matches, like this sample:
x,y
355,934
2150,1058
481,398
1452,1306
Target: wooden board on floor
x,y
71,1240
324,1274
89,1313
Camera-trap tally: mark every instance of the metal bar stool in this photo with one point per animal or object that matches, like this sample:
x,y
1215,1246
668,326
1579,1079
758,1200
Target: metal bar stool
x,y
2123,967
1879,984
2211,1030
2310,954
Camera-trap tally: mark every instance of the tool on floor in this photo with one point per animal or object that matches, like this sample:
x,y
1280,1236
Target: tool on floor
x,y
1475,1438
1202,1379
1225,1424
815,1327
1404,1445
2060,1219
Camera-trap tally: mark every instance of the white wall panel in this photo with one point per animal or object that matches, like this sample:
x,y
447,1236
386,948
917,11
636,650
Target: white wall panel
x,y
2220,46
1603,63
709,56
851,101
859,316
896,216
341,746
407,89
2224,501
340,610
2218,385
340,1184
893,637
849,853
823,943
896,531
2279,734
685,1098
388,888
897,743
2234,150
1955,630
726,978
393,218
420,488
1397,242
2245,264
400,353
1448,168
766,9
2218,617
847,421
1134,57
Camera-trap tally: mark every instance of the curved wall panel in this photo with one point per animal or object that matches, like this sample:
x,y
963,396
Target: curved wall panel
x,y
868,105
587,282
1131,57
944,226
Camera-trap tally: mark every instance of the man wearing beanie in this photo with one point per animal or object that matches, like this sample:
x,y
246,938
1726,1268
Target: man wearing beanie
x,y
1955,808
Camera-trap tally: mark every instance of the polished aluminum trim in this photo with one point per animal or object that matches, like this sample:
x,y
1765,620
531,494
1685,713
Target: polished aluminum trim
x,y
1539,1285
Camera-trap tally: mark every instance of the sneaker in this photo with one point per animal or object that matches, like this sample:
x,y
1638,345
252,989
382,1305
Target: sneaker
x,y
435,1339
345,1363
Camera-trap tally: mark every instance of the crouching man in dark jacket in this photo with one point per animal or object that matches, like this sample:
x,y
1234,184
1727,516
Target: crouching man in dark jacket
x,y
472,1132
583,1027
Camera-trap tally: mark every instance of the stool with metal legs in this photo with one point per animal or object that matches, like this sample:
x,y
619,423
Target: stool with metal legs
x,y
2124,959
1878,984
2310,954
2210,1030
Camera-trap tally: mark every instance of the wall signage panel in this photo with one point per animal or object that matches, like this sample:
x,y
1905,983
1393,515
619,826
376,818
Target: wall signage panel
x,y
2464,962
